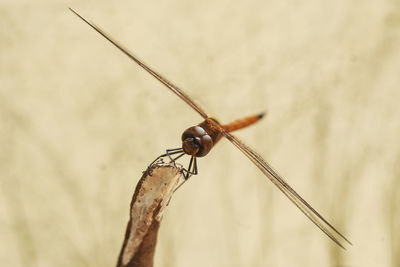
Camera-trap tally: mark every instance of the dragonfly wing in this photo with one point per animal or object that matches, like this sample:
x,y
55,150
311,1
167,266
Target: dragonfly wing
x,y
286,189
164,81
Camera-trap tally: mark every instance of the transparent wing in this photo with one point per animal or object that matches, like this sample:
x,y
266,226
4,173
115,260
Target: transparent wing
x,y
164,81
306,208
286,189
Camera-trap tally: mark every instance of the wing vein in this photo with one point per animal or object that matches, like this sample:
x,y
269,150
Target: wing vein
x,y
175,89
289,192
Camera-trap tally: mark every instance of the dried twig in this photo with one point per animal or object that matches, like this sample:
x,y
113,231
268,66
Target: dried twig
x,y
151,196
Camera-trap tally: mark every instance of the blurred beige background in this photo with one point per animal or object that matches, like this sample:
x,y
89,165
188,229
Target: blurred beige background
x,y
79,123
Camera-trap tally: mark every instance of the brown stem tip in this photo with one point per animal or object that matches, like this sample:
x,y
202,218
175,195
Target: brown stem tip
x,y
151,196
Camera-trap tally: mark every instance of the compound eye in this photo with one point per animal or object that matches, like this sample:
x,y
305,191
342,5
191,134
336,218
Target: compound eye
x,y
187,134
206,144
192,132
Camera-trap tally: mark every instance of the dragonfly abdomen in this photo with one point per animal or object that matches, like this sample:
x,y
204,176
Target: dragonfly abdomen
x,y
241,123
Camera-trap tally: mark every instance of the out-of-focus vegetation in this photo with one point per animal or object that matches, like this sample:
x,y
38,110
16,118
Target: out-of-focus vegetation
x,y
79,122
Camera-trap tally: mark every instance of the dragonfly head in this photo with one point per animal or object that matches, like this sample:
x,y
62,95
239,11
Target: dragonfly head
x,y
196,141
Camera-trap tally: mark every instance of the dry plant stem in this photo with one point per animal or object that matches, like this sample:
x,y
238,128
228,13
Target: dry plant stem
x,y
151,196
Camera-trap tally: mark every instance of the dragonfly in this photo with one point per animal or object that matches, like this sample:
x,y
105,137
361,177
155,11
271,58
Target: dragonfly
x,y
198,140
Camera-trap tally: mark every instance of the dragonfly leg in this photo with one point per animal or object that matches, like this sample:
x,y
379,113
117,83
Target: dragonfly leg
x,y
174,151
192,169
169,153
